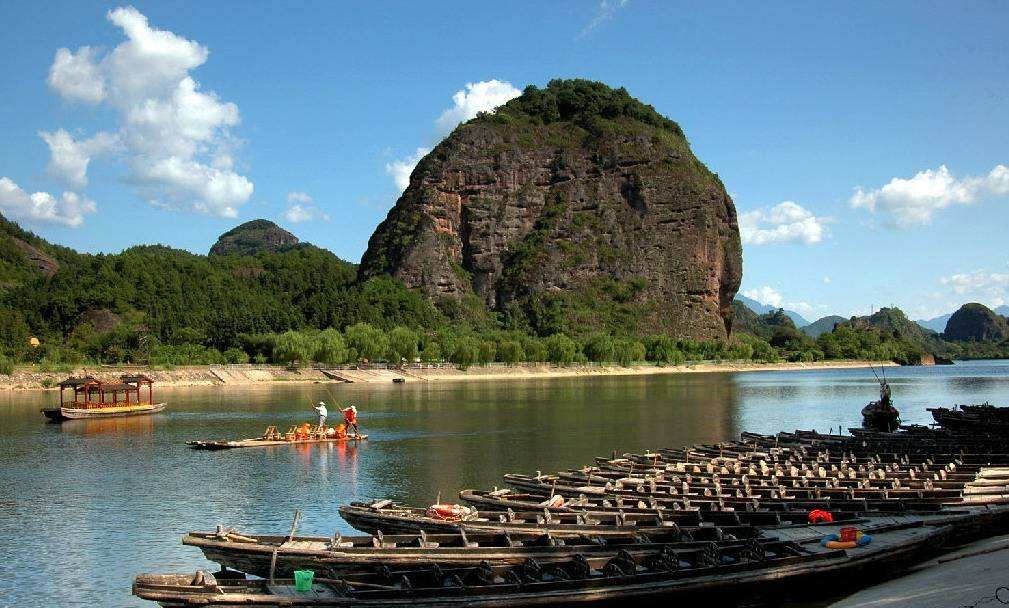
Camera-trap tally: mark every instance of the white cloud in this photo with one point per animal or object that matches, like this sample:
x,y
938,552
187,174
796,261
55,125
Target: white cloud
x,y
786,222
765,295
302,208
991,288
400,170
69,158
176,138
76,76
914,201
299,197
827,280
68,210
770,296
605,11
475,98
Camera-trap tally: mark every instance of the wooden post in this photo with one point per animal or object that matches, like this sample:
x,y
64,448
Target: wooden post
x,y
273,563
294,524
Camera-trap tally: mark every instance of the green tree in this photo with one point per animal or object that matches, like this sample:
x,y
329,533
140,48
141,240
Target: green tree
x,y
600,348
369,342
291,347
663,349
14,334
330,347
431,352
560,349
627,351
403,344
236,355
467,352
509,351
487,351
533,349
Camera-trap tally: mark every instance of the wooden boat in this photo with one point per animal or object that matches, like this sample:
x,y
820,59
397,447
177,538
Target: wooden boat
x,y
95,398
271,437
388,517
256,554
713,572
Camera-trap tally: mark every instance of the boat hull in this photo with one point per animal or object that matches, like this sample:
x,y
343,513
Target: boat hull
x,y
62,414
265,443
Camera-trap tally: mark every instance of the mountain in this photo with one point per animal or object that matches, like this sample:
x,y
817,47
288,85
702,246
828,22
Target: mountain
x,y
936,324
764,326
759,308
253,237
569,208
1002,310
822,325
976,323
176,297
895,322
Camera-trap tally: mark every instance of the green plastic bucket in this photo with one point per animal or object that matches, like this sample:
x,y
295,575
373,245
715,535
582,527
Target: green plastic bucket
x,y
303,580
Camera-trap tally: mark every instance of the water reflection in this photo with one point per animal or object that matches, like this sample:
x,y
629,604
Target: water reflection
x,y
100,501
132,425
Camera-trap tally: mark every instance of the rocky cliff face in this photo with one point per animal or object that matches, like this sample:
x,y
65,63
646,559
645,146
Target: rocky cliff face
x,y
976,323
252,237
571,205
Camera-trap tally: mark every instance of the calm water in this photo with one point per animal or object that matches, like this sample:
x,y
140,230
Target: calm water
x,y
84,506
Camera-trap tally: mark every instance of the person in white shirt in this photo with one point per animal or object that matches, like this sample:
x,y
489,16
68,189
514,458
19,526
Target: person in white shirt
x,y
322,412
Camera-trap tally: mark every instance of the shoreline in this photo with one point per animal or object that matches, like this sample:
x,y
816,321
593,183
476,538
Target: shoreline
x,y
31,379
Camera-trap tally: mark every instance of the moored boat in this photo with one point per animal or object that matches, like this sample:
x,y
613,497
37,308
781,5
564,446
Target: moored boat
x,y
257,554
714,571
95,398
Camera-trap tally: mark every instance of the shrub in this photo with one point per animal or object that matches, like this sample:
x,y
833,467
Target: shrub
x,y
403,344
467,352
236,355
509,351
560,349
330,347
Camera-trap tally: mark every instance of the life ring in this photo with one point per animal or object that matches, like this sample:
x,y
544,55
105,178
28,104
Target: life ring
x,y
449,512
833,541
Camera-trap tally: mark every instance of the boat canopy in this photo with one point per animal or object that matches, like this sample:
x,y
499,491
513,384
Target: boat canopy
x,y
90,392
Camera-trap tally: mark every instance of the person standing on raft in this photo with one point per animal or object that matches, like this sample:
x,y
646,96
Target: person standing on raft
x,y
322,412
350,417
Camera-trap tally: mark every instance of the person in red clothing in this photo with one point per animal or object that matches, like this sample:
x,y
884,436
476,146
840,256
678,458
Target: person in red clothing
x,y
350,417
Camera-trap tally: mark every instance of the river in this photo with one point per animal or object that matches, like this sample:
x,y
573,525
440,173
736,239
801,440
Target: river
x,y
86,505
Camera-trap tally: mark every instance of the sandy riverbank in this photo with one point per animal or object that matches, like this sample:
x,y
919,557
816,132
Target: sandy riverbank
x,y
30,378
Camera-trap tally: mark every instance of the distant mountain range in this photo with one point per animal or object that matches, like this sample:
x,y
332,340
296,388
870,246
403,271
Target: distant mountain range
x,y
822,325
760,309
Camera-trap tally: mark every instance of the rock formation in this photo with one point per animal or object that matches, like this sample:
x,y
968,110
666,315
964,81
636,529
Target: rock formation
x,y
573,205
976,323
252,237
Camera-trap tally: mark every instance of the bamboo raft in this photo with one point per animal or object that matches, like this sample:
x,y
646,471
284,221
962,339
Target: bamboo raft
x,y
271,437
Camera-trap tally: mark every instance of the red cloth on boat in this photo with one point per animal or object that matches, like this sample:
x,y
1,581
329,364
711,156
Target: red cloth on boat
x,y
819,516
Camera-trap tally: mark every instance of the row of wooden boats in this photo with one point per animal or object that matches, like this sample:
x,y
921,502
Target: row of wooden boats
x,y
539,573
726,520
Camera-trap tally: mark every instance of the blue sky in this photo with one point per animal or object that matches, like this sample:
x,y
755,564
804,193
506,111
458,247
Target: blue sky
x,y
196,116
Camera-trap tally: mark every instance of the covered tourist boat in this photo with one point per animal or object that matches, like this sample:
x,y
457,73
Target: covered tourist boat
x,y
133,395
